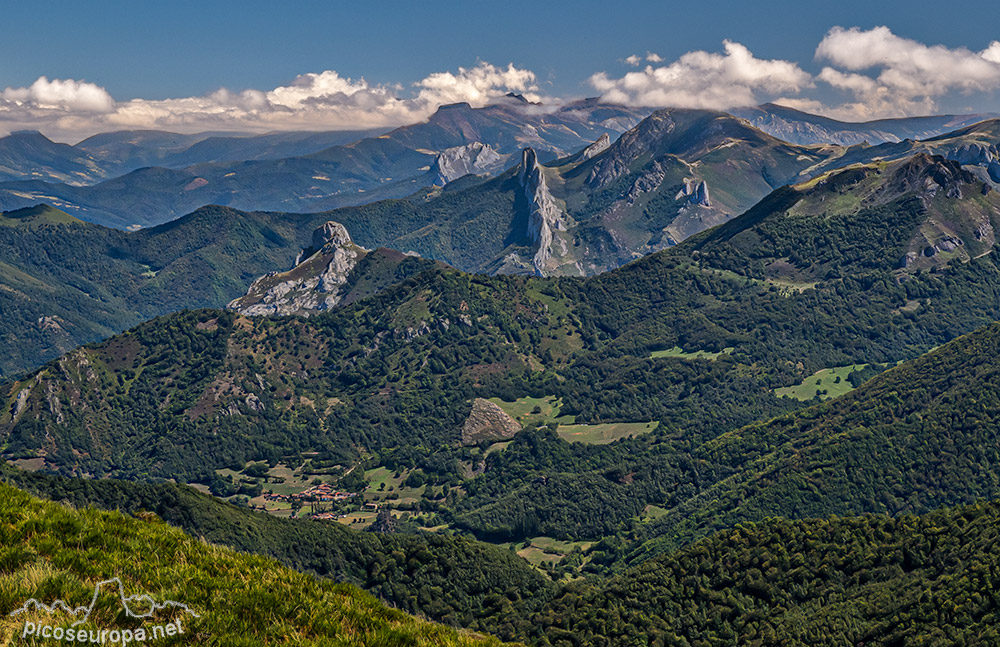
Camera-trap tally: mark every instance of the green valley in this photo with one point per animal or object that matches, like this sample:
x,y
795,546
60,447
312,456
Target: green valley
x,y
346,325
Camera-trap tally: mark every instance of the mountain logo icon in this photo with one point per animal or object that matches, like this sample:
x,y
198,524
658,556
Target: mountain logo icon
x,y
136,606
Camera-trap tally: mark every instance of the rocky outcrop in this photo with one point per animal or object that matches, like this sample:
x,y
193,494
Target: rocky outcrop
x,y
476,158
649,180
488,422
313,285
329,232
928,175
630,145
985,155
20,404
602,144
545,217
694,193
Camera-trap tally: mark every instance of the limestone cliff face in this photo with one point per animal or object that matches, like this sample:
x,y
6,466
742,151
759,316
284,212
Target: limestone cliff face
x,y
546,216
476,158
598,147
694,193
615,162
987,156
313,285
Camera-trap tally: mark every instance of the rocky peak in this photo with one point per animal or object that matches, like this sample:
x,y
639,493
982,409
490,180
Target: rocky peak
x,y
927,174
630,145
602,144
545,217
329,233
474,158
316,282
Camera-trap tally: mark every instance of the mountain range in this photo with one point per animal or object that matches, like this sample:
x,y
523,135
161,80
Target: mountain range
x,y
901,246
246,173
803,128
99,179
673,175
691,384
936,414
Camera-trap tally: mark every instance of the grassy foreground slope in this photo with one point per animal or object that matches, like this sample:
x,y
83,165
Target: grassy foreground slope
x,y
449,579
49,551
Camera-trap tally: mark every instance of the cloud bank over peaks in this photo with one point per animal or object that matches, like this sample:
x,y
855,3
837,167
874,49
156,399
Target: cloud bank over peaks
x,y
58,95
704,80
857,74
318,101
890,76
875,73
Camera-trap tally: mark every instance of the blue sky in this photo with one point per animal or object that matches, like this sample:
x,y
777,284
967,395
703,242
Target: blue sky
x,y
157,50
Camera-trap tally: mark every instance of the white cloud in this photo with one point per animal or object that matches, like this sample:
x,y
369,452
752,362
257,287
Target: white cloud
x,y
992,53
704,80
478,85
634,60
653,57
322,101
58,95
891,76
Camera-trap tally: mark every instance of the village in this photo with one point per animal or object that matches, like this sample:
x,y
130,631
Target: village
x,y
316,496
318,493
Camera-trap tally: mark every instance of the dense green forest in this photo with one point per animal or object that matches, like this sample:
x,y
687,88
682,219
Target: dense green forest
x,y
870,580
918,437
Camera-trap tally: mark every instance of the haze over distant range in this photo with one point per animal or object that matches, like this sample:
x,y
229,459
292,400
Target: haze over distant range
x,y
852,73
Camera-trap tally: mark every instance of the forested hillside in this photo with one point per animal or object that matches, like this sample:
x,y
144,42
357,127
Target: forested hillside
x,y
869,580
64,282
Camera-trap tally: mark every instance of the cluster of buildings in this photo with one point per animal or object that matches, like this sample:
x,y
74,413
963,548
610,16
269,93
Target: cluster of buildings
x,y
322,492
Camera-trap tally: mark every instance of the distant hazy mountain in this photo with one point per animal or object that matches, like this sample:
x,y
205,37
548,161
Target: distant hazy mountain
x,y
28,154
125,151
391,165
803,128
